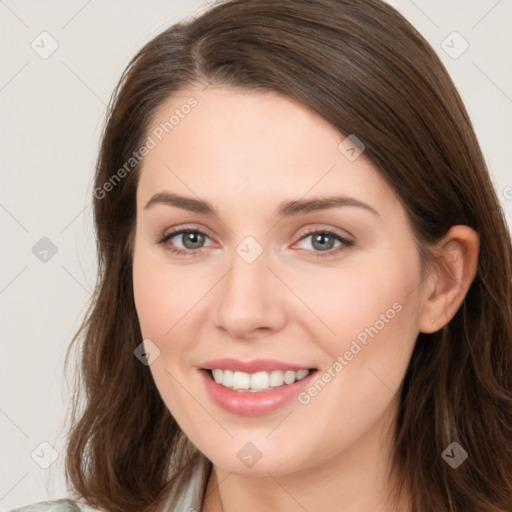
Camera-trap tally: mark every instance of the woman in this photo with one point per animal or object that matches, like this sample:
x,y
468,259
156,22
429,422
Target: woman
x,y
304,296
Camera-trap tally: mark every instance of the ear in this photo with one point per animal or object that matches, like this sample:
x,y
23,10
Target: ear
x,y
448,282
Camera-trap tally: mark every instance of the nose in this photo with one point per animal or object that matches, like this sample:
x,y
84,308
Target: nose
x,y
251,300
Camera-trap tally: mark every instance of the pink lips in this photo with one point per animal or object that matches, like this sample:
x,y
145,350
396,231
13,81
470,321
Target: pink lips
x,y
245,403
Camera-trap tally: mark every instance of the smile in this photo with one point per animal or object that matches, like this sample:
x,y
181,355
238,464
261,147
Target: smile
x,y
254,388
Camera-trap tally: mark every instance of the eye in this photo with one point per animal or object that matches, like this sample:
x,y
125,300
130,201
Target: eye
x,y
191,239
323,242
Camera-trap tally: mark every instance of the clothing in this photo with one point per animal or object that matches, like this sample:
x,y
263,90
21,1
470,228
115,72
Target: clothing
x,y
190,500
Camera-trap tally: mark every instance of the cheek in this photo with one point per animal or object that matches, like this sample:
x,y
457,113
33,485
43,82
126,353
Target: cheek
x,y
162,293
153,300
162,299
369,315
170,299
372,311
360,301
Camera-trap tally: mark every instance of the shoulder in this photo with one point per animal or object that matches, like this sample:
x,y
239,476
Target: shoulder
x,y
51,506
190,499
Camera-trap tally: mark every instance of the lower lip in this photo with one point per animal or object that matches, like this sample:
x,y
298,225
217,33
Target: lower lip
x,y
253,404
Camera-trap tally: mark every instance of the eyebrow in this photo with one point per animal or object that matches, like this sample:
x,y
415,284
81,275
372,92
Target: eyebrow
x,y
285,209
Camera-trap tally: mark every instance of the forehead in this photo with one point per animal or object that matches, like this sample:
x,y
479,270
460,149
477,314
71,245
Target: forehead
x,y
250,146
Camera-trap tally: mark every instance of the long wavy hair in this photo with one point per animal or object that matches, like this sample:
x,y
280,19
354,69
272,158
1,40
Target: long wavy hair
x,y
362,67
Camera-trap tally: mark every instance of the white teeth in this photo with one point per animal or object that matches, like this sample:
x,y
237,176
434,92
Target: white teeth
x,y
289,377
259,381
227,378
276,378
241,380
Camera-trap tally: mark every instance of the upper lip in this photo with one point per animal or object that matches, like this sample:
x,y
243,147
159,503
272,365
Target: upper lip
x,y
256,365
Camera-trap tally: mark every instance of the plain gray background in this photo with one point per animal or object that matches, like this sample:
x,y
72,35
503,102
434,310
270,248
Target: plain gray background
x,y
52,111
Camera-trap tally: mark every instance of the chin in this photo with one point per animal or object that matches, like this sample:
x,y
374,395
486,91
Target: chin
x,y
258,459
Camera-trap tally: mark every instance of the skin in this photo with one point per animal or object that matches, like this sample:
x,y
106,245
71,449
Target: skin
x,y
246,152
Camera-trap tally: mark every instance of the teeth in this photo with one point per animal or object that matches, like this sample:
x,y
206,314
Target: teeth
x,y
259,380
218,376
276,378
289,377
241,380
254,382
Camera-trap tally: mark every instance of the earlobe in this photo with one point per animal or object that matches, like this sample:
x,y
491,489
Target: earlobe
x,y
454,270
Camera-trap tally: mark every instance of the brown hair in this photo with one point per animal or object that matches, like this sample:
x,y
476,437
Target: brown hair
x,y
367,71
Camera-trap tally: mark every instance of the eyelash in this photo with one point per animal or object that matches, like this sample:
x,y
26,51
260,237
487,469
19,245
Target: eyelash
x,y
346,244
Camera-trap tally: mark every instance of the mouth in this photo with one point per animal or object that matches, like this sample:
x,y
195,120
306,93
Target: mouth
x,y
257,382
254,388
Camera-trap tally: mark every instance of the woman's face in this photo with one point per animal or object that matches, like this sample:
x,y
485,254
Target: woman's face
x,y
265,293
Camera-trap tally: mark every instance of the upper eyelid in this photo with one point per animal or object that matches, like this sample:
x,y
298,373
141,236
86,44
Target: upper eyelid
x,y
343,233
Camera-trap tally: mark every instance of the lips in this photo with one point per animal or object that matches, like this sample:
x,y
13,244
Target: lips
x,y
240,387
